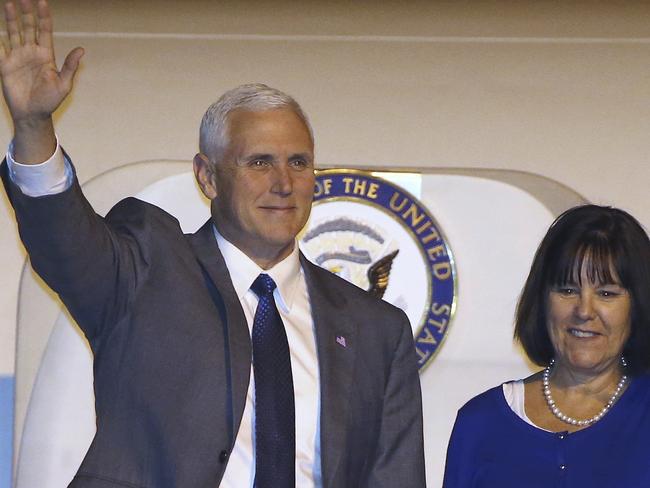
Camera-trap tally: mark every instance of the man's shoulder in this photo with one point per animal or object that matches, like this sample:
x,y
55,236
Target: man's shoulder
x,y
348,289
380,328
154,230
133,211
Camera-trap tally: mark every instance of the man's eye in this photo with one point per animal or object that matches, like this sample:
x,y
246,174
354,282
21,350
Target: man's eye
x,y
299,164
259,163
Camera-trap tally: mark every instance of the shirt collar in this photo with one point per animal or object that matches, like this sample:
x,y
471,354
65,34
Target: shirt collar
x,y
243,271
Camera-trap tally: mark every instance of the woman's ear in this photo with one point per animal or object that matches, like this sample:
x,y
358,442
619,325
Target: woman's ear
x,y
204,175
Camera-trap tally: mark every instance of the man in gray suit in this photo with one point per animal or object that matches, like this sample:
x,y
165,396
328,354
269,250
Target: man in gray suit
x,y
222,358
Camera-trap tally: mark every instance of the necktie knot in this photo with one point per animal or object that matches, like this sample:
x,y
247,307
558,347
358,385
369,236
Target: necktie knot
x,y
263,285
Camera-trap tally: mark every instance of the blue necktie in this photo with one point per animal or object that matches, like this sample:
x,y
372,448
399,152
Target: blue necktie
x,y
275,425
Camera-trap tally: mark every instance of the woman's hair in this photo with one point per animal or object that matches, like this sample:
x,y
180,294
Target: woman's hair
x,y
605,243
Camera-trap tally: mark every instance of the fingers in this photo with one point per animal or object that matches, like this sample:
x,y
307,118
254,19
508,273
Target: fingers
x,y
29,24
44,24
11,19
70,65
34,29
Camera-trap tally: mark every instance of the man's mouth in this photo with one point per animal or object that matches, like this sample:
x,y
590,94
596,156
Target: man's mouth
x,y
278,208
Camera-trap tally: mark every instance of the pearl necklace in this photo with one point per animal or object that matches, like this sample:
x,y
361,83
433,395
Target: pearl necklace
x,y
570,420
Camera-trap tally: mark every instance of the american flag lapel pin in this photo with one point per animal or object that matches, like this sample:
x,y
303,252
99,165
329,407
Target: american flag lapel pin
x,y
340,340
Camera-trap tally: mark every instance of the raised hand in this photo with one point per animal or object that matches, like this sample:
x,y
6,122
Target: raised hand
x,y
32,86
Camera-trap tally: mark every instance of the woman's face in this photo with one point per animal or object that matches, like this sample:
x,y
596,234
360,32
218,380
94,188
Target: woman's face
x,y
589,324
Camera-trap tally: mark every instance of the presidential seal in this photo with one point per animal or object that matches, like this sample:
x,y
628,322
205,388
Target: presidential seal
x,y
378,236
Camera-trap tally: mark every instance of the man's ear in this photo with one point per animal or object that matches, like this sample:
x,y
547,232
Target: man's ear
x,y
204,175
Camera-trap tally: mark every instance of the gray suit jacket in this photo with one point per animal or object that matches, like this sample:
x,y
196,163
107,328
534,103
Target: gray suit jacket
x,y
172,352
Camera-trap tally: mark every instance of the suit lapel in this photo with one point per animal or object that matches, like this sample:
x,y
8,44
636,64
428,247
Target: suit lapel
x,y
336,346
238,346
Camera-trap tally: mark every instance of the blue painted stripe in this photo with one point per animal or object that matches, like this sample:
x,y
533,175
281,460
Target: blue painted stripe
x,y
6,429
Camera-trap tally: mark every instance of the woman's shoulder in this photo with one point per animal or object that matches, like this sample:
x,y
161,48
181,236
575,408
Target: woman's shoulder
x,y
641,384
643,379
483,404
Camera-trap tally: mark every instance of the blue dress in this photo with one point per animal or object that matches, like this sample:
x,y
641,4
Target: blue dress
x,y
491,447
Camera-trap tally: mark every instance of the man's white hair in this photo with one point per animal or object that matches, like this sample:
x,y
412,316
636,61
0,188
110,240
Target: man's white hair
x,y
256,97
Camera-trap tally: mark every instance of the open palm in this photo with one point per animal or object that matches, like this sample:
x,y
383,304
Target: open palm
x,y
32,86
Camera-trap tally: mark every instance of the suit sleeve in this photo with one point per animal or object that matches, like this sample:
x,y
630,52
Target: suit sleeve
x,y
93,266
400,455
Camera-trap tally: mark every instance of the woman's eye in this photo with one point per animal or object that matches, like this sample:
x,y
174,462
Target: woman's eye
x,y
606,293
567,290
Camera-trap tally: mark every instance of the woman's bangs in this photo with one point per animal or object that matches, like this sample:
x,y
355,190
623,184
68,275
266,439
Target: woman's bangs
x,y
595,260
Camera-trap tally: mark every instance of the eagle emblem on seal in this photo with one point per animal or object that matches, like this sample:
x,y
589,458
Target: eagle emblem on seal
x,y
353,250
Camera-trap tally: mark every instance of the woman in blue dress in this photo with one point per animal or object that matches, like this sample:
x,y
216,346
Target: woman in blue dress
x,y
584,420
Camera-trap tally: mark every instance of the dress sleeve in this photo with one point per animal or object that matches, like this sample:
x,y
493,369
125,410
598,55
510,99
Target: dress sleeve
x,y
461,462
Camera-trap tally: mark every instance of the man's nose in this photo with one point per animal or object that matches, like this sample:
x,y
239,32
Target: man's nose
x,y
282,180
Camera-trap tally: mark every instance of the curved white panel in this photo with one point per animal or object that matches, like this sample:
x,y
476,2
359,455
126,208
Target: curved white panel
x,y
61,418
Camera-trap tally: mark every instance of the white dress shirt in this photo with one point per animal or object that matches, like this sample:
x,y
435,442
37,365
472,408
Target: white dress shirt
x,y
36,180
292,300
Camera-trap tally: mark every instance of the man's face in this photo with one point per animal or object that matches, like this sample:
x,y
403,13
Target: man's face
x,y
264,186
